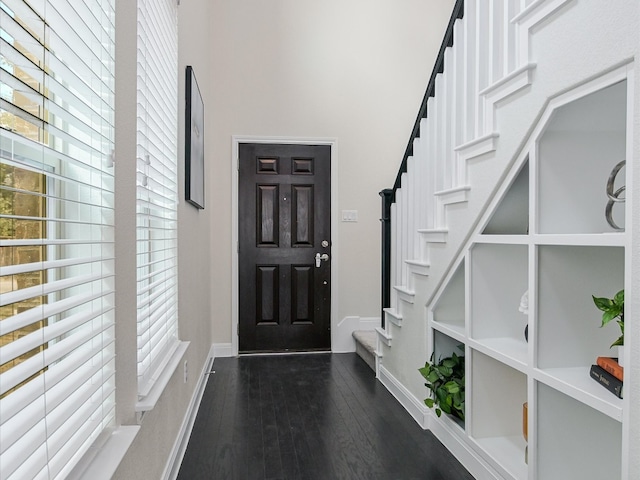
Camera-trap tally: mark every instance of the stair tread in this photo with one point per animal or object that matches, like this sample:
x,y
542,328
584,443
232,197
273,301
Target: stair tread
x,y
367,338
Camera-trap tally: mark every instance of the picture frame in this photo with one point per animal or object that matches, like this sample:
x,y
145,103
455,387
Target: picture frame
x,y
194,141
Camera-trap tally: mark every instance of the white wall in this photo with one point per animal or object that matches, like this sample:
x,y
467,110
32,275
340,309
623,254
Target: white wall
x,y
354,71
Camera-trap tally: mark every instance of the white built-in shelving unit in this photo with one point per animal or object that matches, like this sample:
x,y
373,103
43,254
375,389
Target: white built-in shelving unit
x,y
544,233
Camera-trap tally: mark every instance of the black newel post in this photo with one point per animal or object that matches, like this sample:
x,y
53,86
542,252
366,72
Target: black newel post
x,y
385,221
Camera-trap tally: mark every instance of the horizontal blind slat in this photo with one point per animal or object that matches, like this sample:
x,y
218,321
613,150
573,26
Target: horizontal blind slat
x,y
47,288
49,264
157,187
58,113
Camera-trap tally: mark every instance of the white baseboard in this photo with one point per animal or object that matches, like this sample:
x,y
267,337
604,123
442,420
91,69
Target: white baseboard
x,y
180,446
342,334
439,426
411,404
221,350
469,458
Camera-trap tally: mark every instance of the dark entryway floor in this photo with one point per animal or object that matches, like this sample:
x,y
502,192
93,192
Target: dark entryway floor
x,y
315,416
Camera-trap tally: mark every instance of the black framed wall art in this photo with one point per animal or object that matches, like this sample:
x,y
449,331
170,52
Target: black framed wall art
x,y
194,141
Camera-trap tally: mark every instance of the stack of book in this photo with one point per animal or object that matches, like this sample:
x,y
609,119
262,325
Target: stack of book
x,y
609,374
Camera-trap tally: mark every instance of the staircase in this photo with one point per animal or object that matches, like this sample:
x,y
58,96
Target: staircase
x,y
366,346
502,70
485,59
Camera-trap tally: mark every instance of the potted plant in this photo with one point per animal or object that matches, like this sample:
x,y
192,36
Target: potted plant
x,y
445,381
613,308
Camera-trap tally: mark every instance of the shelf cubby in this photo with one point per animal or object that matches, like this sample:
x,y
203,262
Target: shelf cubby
x,y
576,154
499,392
449,309
575,441
568,323
499,278
444,346
511,216
545,233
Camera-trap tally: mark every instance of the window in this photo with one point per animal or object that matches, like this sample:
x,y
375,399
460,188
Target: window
x,y
56,233
22,206
157,187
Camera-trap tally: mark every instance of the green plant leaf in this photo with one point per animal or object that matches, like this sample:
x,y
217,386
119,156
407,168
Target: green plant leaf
x,y
449,363
433,376
452,387
618,299
444,370
609,315
445,381
618,342
602,303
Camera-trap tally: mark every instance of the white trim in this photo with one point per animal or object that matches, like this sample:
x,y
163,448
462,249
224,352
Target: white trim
x,y
439,427
417,409
236,140
418,267
149,401
509,84
383,336
533,14
404,293
104,456
221,350
394,316
342,339
469,458
453,195
434,235
172,468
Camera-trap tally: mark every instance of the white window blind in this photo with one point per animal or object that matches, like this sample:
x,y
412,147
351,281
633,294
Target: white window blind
x,y
157,187
56,233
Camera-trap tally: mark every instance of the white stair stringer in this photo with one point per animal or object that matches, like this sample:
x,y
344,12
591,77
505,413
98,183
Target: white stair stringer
x,y
393,316
496,73
383,336
488,63
418,267
405,294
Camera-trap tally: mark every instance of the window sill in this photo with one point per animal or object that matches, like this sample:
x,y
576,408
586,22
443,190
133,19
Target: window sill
x,y
103,458
149,401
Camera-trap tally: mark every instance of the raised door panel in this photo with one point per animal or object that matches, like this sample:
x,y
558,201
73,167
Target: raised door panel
x,y
267,216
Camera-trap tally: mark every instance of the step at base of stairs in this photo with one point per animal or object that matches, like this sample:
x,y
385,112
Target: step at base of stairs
x,y
366,341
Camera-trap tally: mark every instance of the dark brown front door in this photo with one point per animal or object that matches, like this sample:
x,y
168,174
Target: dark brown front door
x,y
284,223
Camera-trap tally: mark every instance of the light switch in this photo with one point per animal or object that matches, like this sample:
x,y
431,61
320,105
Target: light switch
x,y
349,215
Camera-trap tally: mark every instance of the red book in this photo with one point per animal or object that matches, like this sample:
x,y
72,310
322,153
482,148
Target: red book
x,y
611,365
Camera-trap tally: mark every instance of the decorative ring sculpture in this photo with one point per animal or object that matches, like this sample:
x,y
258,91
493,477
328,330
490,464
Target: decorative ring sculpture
x,y
614,197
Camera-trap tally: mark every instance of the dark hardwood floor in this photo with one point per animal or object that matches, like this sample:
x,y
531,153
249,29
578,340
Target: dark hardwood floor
x,y
316,416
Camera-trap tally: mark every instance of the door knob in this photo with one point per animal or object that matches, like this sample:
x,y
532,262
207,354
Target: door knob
x,y
320,258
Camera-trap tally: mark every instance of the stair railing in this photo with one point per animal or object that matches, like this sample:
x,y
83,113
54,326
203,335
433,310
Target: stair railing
x,y
389,195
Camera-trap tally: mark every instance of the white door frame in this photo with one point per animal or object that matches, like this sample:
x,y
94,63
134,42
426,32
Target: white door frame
x,y
236,140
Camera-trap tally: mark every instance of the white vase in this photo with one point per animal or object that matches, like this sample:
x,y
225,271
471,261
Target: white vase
x,y
621,355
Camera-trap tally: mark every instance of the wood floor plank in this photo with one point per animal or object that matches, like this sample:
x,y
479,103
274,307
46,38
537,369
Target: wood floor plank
x,y
308,417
